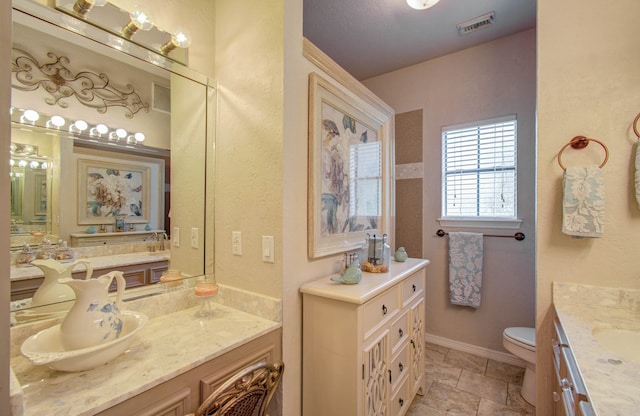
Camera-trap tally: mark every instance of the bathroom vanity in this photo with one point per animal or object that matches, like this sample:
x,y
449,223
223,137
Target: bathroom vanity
x,y
596,361
363,344
173,363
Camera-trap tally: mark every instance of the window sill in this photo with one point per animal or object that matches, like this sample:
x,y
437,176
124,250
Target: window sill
x,y
497,223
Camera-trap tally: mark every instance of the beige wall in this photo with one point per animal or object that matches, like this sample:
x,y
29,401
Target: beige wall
x,y
487,81
249,144
588,84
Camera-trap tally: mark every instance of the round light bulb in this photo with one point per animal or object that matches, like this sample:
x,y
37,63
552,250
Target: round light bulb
x,y
141,19
139,137
22,163
102,129
56,121
34,164
12,162
81,125
121,133
422,4
181,39
31,116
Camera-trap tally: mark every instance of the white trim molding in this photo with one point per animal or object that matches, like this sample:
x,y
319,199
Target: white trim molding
x,y
499,356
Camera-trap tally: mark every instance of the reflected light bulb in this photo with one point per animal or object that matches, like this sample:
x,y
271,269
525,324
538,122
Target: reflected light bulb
x,y
56,121
22,163
139,137
12,162
30,116
34,164
79,125
422,4
98,130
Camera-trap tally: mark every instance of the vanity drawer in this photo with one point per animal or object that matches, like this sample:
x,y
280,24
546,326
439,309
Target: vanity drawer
x,y
400,367
380,309
400,332
412,286
401,400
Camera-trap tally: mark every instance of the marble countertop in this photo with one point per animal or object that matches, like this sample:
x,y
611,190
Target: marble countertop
x,y
167,346
612,382
98,262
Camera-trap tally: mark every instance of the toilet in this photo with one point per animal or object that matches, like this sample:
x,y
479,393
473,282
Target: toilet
x,y
521,342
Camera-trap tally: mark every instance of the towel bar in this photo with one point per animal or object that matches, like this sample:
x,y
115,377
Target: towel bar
x,y
518,236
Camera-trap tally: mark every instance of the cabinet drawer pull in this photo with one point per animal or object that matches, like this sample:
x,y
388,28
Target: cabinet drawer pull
x,y
401,367
556,396
413,343
401,402
401,332
414,287
390,382
384,309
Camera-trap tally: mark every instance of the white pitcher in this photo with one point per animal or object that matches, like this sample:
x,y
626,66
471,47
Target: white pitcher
x,y
50,291
94,317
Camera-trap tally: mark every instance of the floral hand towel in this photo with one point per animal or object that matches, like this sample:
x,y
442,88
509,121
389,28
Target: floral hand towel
x,y
583,202
465,269
637,176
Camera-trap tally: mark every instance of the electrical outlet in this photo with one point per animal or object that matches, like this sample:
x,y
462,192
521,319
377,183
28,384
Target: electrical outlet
x,y
175,236
236,243
194,238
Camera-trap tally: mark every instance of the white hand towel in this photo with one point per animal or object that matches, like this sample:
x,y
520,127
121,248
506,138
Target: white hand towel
x,y
465,268
583,202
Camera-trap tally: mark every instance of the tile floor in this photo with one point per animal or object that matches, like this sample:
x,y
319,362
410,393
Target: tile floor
x,y
463,384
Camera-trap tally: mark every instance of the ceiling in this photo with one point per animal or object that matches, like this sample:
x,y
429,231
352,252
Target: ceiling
x,y
373,37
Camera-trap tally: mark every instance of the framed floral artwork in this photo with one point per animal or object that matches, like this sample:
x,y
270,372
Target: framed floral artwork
x,y
108,190
350,146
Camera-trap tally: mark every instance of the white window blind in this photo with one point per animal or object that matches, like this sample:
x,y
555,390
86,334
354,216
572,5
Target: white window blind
x,y
365,177
479,169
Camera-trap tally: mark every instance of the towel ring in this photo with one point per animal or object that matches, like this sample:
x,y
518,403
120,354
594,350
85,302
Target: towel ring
x,y
635,126
580,142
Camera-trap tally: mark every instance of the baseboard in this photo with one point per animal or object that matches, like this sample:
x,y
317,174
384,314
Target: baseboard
x,y
502,357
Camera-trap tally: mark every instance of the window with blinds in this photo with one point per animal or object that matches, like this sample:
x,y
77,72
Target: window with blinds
x,y
365,179
479,169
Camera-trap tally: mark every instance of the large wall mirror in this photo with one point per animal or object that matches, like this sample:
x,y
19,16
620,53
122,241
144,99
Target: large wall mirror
x,y
80,99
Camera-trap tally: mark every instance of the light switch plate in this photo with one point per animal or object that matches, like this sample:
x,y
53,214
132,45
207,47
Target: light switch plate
x,y
268,256
236,243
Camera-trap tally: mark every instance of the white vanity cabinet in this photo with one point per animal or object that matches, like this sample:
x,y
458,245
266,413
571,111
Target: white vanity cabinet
x,y
363,344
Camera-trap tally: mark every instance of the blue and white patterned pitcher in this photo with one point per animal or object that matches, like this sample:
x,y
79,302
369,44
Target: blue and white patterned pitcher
x,y
94,317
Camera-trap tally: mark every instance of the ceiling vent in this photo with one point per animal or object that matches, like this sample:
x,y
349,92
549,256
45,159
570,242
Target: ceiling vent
x,y
476,23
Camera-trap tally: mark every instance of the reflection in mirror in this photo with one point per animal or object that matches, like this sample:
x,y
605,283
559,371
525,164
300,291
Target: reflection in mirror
x,y
106,127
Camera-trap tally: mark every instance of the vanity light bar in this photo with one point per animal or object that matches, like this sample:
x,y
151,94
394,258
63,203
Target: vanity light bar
x,y
79,128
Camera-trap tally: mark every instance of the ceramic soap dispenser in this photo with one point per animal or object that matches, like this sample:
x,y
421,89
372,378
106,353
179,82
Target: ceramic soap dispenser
x,y
94,318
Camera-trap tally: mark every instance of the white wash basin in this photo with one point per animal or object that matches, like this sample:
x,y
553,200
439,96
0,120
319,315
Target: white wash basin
x,y
45,347
624,342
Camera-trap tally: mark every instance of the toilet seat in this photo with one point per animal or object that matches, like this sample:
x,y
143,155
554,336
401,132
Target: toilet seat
x,y
524,337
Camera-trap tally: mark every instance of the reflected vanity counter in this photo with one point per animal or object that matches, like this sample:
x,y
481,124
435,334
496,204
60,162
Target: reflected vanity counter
x,y
175,341
140,267
612,381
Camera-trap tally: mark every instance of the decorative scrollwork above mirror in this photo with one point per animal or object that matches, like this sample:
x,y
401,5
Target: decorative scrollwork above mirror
x,y
91,89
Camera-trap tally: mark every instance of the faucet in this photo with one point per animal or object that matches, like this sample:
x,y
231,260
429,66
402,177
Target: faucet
x,y
163,237
154,239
